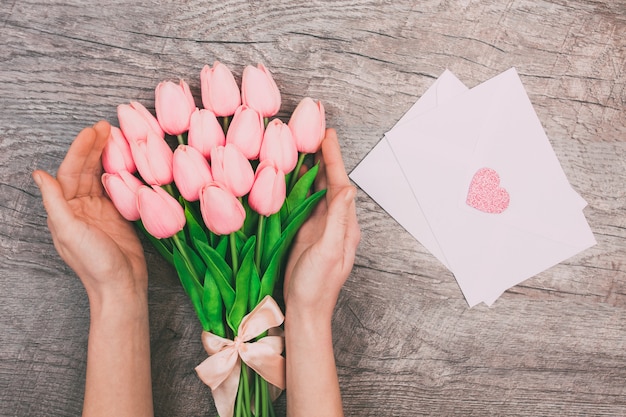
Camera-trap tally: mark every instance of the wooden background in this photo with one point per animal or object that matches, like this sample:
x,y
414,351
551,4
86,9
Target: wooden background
x,y
406,343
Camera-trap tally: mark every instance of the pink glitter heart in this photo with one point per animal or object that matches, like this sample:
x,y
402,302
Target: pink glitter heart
x,y
485,193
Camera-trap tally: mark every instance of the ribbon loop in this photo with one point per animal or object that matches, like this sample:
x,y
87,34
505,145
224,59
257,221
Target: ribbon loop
x,y
222,369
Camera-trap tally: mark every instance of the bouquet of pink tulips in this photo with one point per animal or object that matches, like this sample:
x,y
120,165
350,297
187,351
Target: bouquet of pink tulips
x,y
223,208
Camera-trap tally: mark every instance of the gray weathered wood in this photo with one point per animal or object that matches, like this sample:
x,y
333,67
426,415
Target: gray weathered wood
x,y
406,342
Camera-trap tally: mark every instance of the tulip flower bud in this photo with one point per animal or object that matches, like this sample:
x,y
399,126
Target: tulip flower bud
x,y
161,214
269,189
259,90
116,155
222,212
220,92
205,132
153,158
232,169
174,105
278,145
191,172
122,189
308,125
135,121
246,131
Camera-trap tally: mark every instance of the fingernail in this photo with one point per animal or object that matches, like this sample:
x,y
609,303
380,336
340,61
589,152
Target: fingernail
x,y
37,179
351,194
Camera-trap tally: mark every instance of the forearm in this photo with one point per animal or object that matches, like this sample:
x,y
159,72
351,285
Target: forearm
x,y
312,383
118,360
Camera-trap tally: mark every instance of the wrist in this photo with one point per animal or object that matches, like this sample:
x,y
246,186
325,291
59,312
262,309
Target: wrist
x,y
125,304
315,320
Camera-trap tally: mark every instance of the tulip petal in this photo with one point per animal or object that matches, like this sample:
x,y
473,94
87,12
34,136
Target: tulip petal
x,y
161,214
222,212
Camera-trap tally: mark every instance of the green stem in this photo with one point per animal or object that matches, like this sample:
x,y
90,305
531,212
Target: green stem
x,y
238,402
233,253
181,139
257,394
169,189
225,123
246,389
185,256
296,171
269,400
259,241
266,121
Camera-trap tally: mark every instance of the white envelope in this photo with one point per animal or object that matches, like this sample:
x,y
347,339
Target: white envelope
x,y
382,178
492,125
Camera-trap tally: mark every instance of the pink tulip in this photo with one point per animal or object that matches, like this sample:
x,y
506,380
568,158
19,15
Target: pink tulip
x,y
174,105
278,145
191,172
135,121
268,192
161,214
205,132
116,155
246,131
153,158
232,169
122,189
259,90
308,125
220,92
222,212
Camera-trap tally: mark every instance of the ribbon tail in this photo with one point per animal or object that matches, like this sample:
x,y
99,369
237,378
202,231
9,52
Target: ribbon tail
x,y
216,369
225,394
265,358
274,392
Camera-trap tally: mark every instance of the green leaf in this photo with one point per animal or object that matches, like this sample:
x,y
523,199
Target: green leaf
x,y
272,233
302,188
251,220
163,246
296,219
213,306
306,206
222,246
254,289
221,273
196,231
190,284
242,286
190,254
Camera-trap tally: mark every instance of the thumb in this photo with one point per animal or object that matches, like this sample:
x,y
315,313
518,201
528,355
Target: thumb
x,y
59,212
338,220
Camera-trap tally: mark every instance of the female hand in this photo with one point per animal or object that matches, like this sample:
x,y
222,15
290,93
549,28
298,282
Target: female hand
x,y
87,230
323,252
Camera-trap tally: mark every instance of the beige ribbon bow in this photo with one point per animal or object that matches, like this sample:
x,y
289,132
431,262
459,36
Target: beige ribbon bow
x,y
222,369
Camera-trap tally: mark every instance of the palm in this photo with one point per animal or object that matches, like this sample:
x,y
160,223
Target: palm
x,y
89,233
109,237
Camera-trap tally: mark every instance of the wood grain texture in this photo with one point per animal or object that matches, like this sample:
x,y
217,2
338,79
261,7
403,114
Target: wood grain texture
x,y
405,340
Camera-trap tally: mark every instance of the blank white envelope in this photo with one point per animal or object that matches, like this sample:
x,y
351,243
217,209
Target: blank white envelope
x,y
437,151
380,176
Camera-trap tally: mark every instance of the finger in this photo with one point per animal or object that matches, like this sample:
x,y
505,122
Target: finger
x,y
70,173
59,212
103,130
80,171
339,221
335,172
320,179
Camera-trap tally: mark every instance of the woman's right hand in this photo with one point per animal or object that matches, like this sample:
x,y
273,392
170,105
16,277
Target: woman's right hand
x,y
323,252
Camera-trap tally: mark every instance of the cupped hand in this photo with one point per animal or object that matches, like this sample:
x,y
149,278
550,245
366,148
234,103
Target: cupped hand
x,y
323,252
88,232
